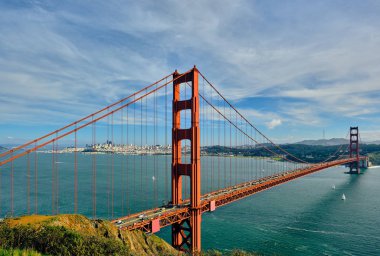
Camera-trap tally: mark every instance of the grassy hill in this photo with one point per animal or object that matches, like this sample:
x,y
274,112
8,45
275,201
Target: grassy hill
x,y
75,235
18,252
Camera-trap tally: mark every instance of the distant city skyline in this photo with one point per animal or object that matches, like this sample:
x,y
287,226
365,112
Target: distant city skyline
x,y
296,69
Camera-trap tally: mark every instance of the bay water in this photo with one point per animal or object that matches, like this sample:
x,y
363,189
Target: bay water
x,y
302,217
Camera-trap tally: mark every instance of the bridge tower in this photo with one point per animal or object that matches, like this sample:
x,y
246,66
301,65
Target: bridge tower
x,y
354,150
186,235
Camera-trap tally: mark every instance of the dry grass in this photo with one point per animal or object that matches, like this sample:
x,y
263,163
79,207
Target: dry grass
x,y
24,220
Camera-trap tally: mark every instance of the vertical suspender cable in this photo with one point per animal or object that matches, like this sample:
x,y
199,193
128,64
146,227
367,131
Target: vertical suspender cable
x,y
56,178
154,150
141,147
122,148
146,145
75,171
12,195
112,167
28,185
230,150
184,180
94,170
219,147
52,179
108,168
225,146
134,149
35,181
127,165
0,190
167,168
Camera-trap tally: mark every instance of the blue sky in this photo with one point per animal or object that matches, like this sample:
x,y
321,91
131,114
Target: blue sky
x,y
294,68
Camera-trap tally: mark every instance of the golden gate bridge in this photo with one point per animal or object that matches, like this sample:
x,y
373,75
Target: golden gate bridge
x,y
181,113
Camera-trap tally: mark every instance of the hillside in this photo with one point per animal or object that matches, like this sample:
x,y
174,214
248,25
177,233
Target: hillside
x,y
77,235
324,142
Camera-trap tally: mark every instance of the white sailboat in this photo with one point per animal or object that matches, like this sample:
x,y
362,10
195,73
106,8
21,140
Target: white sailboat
x,y
333,187
343,197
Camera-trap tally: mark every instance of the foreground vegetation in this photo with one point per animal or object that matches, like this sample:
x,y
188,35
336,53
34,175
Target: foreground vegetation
x,y
18,252
72,234
75,235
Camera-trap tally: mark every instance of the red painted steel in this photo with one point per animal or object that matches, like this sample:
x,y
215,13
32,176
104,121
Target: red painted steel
x,y
354,150
180,213
186,233
212,206
155,225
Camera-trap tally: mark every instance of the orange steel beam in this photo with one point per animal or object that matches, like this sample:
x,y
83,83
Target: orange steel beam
x,y
226,196
186,233
354,150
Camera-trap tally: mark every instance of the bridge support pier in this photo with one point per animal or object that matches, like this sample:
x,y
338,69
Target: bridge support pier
x,y
186,235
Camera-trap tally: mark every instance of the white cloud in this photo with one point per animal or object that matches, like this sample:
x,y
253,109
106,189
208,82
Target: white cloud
x,y
58,63
274,123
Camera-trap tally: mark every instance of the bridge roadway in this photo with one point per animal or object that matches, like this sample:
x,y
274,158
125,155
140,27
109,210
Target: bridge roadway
x,y
152,220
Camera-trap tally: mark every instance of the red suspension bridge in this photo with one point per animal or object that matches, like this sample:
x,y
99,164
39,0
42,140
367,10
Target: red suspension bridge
x,y
115,163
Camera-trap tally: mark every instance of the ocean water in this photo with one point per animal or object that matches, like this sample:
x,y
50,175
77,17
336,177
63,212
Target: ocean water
x,y
302,217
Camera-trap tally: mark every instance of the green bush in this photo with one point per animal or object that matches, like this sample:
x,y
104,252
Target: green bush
x,y
55,240
18,252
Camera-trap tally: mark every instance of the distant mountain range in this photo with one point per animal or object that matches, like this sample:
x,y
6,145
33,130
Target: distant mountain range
x,y
331,142
324,142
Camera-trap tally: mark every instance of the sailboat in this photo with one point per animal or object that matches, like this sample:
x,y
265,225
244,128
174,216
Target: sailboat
x,y
333,187
343,197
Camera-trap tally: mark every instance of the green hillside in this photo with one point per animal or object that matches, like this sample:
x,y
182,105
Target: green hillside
x,y
76,235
